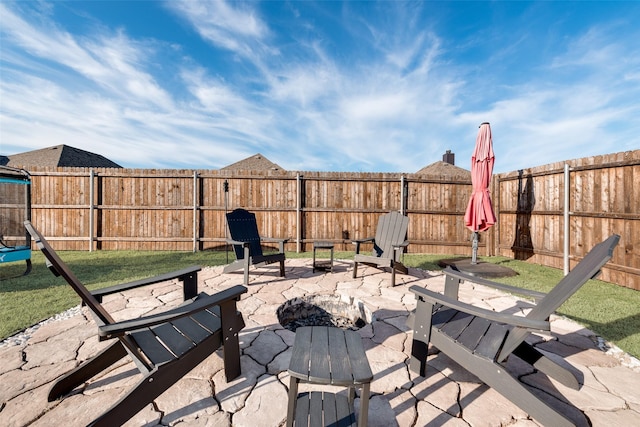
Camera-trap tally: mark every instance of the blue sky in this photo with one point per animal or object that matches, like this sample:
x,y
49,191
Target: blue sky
x,y
353,86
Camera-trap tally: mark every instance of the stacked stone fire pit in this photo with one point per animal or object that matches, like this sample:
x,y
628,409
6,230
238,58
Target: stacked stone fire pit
x,y
324,310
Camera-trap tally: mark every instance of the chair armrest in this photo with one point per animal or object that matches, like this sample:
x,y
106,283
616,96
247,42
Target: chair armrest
x,y
280,242
537,296
358,241
273,240
201,303
402,245
237,242
518,321
178,274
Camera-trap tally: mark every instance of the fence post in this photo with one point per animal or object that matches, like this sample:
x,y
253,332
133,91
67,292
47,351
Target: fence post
x,y
195,211
403,195
493,236
91,210
566,218
298,212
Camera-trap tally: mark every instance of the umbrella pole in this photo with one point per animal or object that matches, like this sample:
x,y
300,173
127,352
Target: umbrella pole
x,y
474,247
225,186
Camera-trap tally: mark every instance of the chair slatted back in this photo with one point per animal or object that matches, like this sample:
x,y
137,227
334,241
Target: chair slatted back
x,y
588,268
244,228
391,230
60,268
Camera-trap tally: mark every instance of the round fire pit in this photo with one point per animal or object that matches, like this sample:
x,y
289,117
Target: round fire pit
x,y
324,310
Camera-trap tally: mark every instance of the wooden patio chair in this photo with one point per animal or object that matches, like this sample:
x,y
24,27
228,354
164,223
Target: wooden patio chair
x,y
247,244
481,340
164,346
388,245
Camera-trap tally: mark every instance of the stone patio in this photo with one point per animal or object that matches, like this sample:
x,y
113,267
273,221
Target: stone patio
x,y
447,396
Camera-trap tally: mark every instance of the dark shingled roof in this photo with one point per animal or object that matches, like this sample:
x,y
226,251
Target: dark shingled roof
x,y
255,162
445,169
58,156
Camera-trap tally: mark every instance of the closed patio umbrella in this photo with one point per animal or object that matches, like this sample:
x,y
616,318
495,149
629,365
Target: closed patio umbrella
x,y
479,215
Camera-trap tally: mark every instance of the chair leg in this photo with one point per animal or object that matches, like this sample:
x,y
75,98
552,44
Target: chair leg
x,y
401,267
355,269
232,324
155,383
128,406
147,390
28,270
393,274
282,268
499,379
87,370
542,363
421,337
247,264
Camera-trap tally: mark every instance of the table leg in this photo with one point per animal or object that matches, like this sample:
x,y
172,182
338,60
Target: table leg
x,y
332,259
313,266
293,397
364,405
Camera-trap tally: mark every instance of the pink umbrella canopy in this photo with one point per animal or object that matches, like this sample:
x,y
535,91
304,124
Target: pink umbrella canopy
x,y
479,215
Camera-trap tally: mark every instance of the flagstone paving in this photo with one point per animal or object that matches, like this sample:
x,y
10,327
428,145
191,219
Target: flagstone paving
x,y
447,396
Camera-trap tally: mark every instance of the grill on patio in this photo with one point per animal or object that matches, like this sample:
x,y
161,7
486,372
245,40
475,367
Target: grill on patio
x,y
324,310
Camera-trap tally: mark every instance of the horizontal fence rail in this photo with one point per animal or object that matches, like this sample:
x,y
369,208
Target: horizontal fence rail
x,y
143,209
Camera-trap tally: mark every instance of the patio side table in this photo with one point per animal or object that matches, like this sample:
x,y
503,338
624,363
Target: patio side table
x,y
325,264
328,355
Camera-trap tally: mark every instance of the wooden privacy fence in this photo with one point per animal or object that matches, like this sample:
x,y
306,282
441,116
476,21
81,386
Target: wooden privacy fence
x,y
571,206
117,209
110,209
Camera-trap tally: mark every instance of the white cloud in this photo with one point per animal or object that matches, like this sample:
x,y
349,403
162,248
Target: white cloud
x,y
303,85
376,107
231,25
113,61
394,103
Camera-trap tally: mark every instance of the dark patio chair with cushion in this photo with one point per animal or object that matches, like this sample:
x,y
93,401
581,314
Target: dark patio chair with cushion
x,y
247,244
481,340
164,346
388,245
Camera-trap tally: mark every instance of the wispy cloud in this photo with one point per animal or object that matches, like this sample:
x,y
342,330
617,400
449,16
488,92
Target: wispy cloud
x,y
235,26
111,61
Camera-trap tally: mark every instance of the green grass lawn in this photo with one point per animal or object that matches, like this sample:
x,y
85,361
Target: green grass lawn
x,y
609,310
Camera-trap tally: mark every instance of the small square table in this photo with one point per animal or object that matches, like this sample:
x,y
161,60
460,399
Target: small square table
x,y
325,264
328,355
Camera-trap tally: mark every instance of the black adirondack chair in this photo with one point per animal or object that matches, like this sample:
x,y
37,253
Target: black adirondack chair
x,y
247,244
164,346
481,340
388,245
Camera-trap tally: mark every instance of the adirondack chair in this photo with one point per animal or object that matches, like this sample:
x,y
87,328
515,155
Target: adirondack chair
x,y
481,340
164,346
247,244
388,244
